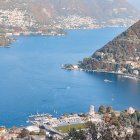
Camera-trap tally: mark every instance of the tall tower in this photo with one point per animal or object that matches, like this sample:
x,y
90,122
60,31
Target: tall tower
x,y
92,113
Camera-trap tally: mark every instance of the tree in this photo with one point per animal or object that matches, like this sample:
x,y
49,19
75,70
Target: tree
x,y
106,134
110,109
24,133
138,115
136,134
92,130
77,135
113,115
128,137
102,109
125,118
42,132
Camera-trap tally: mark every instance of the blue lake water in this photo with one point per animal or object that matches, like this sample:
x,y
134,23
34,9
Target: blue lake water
x,y
32,81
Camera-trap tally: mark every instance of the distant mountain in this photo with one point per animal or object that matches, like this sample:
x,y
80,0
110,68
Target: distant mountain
x,y
52,12
99,9
122,55
135,3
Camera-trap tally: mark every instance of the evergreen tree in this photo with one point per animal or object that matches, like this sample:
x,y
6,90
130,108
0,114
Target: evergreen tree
x,y
102,109
110,109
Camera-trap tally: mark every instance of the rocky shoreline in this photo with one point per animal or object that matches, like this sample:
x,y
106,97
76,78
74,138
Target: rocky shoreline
x,y
5,41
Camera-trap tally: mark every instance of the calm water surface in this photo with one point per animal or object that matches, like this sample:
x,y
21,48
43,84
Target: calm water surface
x,y
31,79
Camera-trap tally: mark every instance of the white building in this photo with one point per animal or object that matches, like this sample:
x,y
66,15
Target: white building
x,y
75,66
136,72
33,129
2,130
131,110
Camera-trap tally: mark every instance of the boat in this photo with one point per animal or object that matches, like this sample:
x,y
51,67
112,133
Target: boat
x,y
107,81
39,115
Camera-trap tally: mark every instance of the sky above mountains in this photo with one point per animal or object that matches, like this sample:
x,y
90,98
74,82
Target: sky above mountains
x,y
135,3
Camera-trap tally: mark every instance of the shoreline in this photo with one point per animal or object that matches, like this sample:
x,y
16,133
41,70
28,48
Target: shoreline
x,y
34,118
129,76
58,34
17,34
116,73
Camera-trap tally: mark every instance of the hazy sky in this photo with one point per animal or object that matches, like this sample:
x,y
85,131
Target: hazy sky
x,y
135,3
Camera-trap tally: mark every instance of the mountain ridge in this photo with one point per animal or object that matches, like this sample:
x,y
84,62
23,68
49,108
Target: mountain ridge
x,y
48,11
121,55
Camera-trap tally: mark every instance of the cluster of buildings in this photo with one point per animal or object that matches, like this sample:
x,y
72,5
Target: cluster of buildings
x,y
119,22
20,22
44,125
77,22
21,18
14,133
16,18
111,60
8,134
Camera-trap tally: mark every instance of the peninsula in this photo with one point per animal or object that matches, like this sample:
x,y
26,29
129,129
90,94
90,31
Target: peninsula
x,y
121,55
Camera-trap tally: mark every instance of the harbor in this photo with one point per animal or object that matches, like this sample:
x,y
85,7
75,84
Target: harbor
x,y
42,126
65,119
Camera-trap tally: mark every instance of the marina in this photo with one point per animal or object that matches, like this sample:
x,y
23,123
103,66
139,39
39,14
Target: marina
x,y
65,119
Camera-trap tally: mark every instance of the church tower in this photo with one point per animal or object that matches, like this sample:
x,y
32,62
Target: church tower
x,y
92,113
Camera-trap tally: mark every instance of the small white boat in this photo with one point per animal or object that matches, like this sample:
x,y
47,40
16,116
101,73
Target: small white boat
x,y
107,81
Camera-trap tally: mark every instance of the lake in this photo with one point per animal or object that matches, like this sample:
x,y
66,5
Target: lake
x,y
31,78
